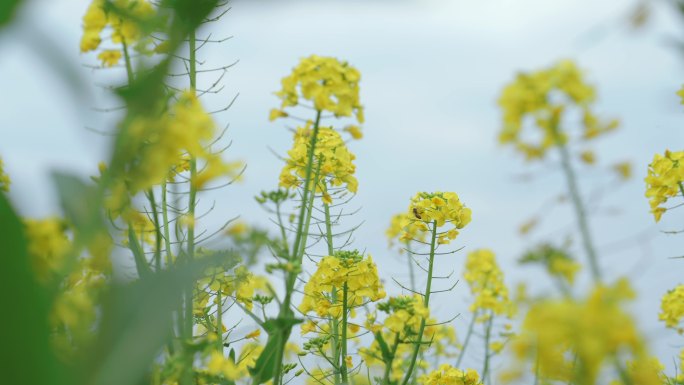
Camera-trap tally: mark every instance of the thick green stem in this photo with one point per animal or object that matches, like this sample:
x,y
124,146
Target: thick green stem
x,y
580,212
469,333
343,341
188,323
157,229
428,289
296,256
129,66
307,182
165,218
388,365
334,323
488,334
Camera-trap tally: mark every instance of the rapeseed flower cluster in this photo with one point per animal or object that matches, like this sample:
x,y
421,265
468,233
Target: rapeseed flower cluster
x,y
331,85
486,281
571,340
440,208
448,375
672,308
543,96
557,261
234,369
48,246
333,162
74,310
157,147
124,20
323,292
664,180
396,230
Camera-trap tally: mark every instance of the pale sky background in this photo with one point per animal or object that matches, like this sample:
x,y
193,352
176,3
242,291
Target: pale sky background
x,y
432,71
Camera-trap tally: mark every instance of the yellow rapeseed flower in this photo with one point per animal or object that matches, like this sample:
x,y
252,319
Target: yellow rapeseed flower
x,y
543,96
485,279
440,208
664,180
672,307
332,159
448,375
345,267
571,340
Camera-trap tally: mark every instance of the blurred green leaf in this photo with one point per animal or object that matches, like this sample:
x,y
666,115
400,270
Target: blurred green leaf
x,y
136,324
277,329
8,9
25,349
81,203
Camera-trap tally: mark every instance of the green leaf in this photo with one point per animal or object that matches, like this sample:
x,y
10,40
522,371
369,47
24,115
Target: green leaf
x,y
7,10
277,329
136,324
384,349
141,265
81,203
264,365
25,352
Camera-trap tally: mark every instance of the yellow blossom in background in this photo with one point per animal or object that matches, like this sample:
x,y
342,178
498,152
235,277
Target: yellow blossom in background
x,y
623,169
440,208
680,93
672,307
645,371
154,146
588,157
664,180
556,260
331,85
332,159
255,334
346,267
569,338
48,246
395,231
485,279
123,20
354,131
4,178
543,96
448,375
220,365
109,57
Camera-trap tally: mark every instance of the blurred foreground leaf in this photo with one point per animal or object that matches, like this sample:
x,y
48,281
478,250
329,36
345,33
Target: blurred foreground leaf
x,y
25,349
7,10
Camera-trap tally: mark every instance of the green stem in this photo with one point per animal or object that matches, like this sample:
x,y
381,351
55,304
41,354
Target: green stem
x,y
187,377
307,182
345,381
334,323
488,334
296,257
157,229
219,320
388,365
467,339
428,289
127,60
580,212
681,188
165,218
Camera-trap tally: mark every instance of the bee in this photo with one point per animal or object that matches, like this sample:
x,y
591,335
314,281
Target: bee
x,y
415,212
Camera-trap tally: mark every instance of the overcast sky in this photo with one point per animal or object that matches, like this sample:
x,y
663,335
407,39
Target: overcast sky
x,y
432,71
